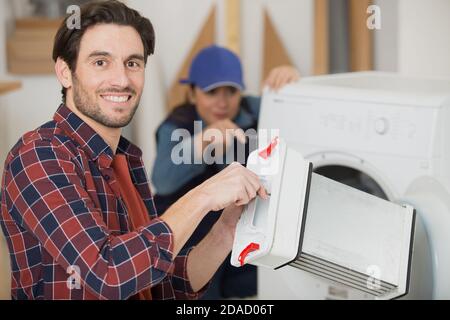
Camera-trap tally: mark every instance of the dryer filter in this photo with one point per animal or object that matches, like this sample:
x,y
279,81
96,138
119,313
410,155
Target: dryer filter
x,y
324,227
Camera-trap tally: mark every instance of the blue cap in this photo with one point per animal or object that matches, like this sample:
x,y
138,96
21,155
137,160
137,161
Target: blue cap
x,y
215,67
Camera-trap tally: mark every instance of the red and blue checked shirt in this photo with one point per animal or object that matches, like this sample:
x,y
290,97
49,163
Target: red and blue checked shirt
x,y
62,213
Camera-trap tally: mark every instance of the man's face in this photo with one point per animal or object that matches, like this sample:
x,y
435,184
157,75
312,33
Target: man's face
x,y
217,104
109,77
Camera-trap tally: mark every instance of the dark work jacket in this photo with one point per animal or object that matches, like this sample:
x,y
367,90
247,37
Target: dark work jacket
x,y
170,181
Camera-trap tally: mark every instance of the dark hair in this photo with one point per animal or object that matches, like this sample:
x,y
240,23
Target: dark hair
x,y
67,40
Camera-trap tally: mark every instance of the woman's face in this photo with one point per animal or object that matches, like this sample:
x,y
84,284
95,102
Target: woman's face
x,y
217,104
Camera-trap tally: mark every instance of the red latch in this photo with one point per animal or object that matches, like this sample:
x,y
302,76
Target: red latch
x,y
268,151
250,248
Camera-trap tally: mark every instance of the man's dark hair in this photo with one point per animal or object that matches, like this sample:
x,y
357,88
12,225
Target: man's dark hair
x,y
67,40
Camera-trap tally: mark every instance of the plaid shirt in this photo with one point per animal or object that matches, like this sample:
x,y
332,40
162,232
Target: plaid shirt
x,y
67,227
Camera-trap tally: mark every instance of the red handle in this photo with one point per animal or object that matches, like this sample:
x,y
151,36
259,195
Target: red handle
x,y
268,151
251,247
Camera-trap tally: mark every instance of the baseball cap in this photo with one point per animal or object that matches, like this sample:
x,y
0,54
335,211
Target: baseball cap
x,y
215,67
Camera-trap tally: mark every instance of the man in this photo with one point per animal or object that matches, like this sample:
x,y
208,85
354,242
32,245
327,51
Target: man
x,y
218,106
76,206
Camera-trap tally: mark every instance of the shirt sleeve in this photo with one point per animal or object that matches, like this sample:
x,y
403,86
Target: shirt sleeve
x,y
175,163
45,194
179,281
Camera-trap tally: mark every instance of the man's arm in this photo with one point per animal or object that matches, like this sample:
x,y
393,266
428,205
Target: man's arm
x,y
235,185
45,194
209,254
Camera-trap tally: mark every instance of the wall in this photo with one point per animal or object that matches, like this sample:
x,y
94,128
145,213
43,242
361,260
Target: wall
x,y
386,39
424,42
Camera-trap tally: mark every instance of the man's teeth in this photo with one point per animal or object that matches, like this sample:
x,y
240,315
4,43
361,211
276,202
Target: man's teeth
x,y
116,98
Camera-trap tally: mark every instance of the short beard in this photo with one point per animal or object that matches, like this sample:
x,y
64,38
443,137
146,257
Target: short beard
x,y
91,110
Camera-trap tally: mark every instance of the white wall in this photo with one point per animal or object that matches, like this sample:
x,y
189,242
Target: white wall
x,y
4,12
424,37
386,39
293,20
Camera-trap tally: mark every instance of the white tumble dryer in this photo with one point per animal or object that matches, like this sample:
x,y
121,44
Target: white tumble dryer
x,y
385,134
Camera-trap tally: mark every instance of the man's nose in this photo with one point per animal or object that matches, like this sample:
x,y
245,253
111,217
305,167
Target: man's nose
x,y
119,77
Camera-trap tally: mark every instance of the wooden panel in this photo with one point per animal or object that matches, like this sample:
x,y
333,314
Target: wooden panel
x,y
5,270
275,53
233,25
177,93
7,86
321,37
30,47
361,38
38,23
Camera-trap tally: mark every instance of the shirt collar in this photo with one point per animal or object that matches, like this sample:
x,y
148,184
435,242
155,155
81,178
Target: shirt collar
x,y
89,140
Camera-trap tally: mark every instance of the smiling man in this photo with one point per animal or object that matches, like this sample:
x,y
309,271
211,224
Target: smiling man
x,y
76,206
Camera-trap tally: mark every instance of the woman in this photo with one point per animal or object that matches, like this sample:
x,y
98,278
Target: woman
x,y
216,107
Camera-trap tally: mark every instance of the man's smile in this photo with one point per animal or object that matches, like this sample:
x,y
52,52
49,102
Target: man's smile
x,y
116,98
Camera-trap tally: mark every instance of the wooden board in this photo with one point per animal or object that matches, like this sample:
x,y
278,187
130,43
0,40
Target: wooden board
x,y
38,23
233,26
321,38
5,269
177,93
8,86
29,49
275,53
361,38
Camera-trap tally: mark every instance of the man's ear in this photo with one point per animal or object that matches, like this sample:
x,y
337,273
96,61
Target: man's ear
x,y
63,73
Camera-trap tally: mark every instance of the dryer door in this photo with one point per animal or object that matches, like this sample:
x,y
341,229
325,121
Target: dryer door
x,y
431,200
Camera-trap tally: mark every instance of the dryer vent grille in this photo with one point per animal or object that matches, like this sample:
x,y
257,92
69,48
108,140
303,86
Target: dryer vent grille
x,y
355,239
345,276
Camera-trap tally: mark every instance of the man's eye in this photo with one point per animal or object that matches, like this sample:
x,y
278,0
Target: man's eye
x,y
133,64
100,63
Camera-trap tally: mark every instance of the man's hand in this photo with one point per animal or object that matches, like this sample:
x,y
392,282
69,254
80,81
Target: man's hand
x,y
232,188
233,185
223,131
280,76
